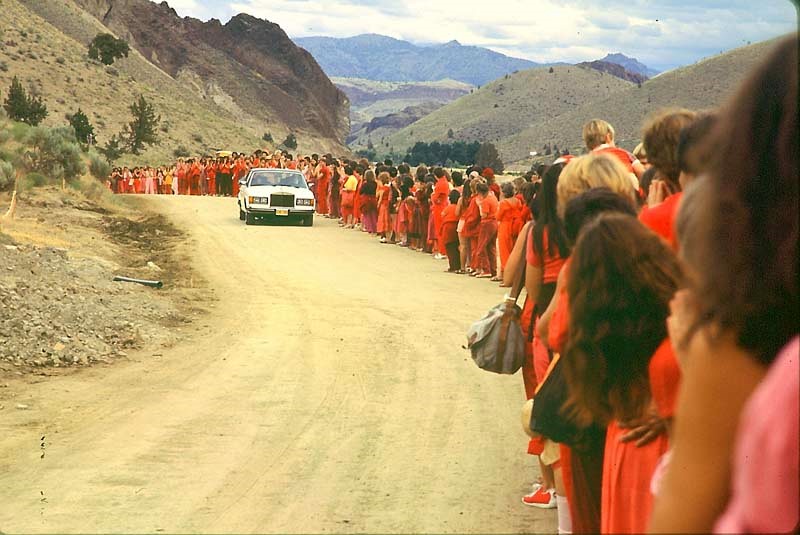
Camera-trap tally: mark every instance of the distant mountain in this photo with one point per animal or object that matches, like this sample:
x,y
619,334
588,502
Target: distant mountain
x,y
615,69
376,131
630,64
370,99
377,57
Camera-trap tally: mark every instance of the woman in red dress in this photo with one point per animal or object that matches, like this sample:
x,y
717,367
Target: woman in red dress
x,y
621,280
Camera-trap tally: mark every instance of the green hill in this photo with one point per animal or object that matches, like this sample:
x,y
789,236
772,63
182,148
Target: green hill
x,y
507,105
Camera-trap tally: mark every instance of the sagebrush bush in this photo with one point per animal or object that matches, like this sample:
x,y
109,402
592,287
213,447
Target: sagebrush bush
x,y
6,176
5,135
20,131
37,179
99,167
55,152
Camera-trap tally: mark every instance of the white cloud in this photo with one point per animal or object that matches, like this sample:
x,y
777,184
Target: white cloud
x,y
661,33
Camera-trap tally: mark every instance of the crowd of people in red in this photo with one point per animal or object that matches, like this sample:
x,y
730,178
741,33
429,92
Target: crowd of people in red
x,y
661,290
664,360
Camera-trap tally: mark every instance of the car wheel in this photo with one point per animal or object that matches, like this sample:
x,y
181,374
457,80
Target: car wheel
x,y
242,215
250,219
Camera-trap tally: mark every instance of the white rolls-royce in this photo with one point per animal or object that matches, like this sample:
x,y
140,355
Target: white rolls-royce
x,y
275,193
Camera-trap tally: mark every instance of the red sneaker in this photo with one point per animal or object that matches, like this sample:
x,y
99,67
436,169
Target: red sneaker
x,y
543,499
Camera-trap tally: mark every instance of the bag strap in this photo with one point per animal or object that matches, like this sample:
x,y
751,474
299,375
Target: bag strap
x,y
519,283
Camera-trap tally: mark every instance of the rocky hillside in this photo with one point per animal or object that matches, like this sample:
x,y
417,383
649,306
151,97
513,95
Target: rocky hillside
x,y
506,106
630,64
700,86
378,129
377,57
614,70
371,100
246,75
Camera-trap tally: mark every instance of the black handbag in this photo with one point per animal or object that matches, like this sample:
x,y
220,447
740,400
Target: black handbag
x,y
550,420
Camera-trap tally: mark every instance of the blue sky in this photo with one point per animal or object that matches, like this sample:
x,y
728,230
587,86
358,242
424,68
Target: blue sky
x,y
661,33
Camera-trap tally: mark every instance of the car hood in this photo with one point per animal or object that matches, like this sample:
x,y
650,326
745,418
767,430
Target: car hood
x,y
264,191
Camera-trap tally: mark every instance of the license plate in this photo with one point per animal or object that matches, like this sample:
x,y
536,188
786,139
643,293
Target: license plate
x,y
282,212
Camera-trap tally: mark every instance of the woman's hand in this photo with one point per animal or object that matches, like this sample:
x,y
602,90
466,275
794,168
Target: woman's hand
x,y
645,430
658,192
682,316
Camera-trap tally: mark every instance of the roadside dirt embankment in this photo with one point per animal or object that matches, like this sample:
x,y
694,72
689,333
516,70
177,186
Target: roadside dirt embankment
x,y
61,308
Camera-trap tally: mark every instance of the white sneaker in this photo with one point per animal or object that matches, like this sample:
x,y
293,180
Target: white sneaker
x,y
439,256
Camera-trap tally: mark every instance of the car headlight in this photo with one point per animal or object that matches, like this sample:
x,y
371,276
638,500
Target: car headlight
x,y
258,200
305,202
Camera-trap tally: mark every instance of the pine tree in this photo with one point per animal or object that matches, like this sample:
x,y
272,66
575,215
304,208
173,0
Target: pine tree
x,y
141,130
487,156
108,48
113,149
83,128
21,107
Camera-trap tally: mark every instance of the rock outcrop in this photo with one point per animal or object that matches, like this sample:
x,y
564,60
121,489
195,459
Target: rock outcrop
x,y
250,60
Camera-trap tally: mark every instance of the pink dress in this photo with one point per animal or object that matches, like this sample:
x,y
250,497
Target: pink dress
x,y
764,496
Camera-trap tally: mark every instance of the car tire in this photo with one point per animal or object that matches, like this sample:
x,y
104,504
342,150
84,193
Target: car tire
x,y
242,215
250,219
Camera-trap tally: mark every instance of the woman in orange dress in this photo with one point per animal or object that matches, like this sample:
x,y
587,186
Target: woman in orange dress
x,y
621,280
508,217
384,221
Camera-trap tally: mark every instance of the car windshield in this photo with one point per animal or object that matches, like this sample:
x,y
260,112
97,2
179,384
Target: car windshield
x,y
277,178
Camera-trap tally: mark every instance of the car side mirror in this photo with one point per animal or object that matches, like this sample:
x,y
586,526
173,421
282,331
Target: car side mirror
x,y
242,182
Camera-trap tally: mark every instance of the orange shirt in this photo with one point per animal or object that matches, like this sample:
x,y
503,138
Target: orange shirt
x,y
449,214
488,207
661,219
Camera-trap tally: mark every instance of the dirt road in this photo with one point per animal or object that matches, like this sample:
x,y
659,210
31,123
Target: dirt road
x,y
327,391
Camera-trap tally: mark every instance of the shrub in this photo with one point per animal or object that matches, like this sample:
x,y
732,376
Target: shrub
x,y
37,179
60,60
181,152
20,132
267,137
6,176
290,142
98,167
5,135
55,152
197,138
107,48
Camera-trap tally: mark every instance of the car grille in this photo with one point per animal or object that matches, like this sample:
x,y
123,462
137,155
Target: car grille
x,y
281,200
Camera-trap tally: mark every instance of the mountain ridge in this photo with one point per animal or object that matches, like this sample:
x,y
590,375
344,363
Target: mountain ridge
x,y
382,58
630,64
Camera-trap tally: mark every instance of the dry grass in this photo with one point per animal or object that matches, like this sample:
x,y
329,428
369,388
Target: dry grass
x,y
503,107
703,85
52,61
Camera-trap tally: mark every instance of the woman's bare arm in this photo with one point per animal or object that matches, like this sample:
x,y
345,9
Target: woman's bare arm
x,y
718,377
543,326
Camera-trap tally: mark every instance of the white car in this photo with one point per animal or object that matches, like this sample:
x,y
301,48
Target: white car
x,y
275,193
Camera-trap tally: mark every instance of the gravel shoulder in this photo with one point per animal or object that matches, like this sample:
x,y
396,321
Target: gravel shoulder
x,y
325,390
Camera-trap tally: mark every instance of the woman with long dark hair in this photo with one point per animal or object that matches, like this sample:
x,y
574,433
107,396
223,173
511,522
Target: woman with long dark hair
x,y
621,280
